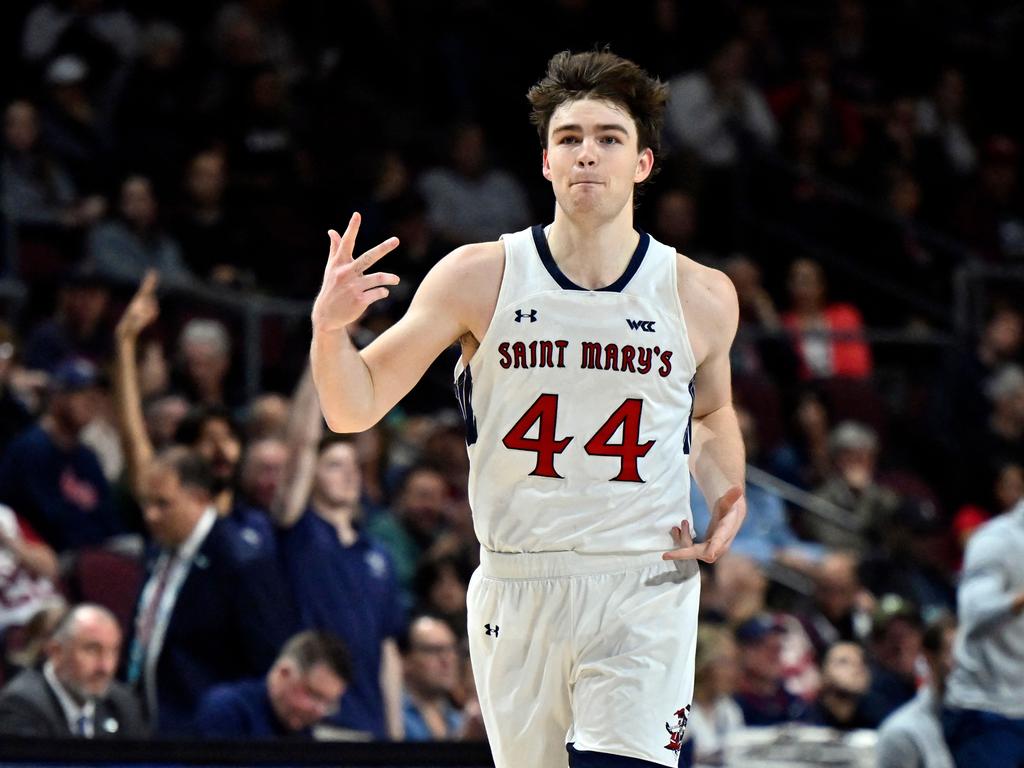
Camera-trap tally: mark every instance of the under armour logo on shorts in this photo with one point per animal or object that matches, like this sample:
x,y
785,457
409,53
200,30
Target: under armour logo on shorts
x,y
491,630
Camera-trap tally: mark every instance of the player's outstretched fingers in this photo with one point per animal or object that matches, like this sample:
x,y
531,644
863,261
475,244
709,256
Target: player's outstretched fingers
x,y
375,254
376,279
348,240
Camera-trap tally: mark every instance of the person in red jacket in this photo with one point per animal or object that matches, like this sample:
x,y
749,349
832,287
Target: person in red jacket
x,y
811,321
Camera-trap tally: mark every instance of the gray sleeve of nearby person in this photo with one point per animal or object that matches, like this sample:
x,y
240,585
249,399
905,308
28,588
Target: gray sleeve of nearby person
x,y
984,595
896,749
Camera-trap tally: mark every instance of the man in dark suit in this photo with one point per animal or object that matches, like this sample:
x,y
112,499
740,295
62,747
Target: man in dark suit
x,y
75,693
214,609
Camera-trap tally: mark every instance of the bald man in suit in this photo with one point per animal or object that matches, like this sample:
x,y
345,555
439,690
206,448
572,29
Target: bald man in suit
x,y
75,695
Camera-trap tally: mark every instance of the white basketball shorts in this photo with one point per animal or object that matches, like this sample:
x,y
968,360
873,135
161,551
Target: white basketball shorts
x,y
593,650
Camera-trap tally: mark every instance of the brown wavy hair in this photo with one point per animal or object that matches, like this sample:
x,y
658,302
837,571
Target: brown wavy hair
x,y
601,75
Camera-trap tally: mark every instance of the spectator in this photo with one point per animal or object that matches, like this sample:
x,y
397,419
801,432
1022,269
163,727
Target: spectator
x,y
74,126
125,248
204,354
714,714
766,535
845,679
50,478
812,321
990,216
942,115
715,112
214,608
37,190
163,417
911,737
414,522
841,609
305,685
206,226
75,694
78,328
267,416
852,487
762,696
440,583
914,559
470,201
895,645
28,572
328,558
984,721
431,665
262,472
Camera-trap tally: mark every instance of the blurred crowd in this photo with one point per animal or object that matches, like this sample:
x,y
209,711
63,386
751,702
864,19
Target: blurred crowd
x,y
179,555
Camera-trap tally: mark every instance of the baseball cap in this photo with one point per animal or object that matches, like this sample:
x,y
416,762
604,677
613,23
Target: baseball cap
x,y
757,628
74,375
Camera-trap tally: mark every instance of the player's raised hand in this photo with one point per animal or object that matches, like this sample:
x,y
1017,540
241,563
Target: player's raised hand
x,y
347,289
726,518
142,309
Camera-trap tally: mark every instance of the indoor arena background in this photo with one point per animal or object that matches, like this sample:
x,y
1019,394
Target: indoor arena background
x,y
853,166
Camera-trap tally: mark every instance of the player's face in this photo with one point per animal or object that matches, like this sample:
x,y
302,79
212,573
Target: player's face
x,y
593,160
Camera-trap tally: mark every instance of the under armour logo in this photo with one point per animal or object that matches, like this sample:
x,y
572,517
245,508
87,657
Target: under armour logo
x,y
531,315
641,325
491,631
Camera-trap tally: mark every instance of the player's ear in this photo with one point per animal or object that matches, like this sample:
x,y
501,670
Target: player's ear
x,y
644,165
545,168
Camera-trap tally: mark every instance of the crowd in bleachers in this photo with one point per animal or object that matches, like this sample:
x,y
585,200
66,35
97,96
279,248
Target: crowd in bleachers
x,y
256,576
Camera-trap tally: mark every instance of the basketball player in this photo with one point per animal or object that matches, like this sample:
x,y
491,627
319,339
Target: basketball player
x,y
594,367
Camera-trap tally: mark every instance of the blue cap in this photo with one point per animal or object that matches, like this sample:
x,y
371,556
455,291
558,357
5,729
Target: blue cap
x,y
755,629
74,374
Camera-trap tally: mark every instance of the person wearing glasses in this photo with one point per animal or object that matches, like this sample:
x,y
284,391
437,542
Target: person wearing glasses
x,y
304,686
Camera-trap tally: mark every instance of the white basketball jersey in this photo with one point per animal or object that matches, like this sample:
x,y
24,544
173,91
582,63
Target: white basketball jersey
x,y
578,405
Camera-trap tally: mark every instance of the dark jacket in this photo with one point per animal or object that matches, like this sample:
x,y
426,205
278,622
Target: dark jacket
x,y
29,707
229,621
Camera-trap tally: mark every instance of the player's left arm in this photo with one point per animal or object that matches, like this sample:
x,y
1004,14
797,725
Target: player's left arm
x,y
391,688
717,459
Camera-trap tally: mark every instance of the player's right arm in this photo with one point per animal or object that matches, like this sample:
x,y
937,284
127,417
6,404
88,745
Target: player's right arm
x,y
357,387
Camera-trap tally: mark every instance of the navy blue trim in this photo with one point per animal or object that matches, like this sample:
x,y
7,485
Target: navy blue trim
x,y
688,435
578,759
464,394
549,262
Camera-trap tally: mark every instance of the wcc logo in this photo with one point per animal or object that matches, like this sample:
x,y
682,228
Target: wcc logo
x,y
531,315
675,732
641,325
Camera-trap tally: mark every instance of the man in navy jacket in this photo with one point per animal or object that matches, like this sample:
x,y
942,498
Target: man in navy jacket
x,y
214,608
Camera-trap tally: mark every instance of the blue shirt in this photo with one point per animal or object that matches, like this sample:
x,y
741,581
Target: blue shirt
x,y
254,526
240,711
62,494
765,530
416,727
352,592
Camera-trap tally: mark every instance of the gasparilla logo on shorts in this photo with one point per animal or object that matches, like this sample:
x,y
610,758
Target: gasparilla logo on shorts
x,y
675,732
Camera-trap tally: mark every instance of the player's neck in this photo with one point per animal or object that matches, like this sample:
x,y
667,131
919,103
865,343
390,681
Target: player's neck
x,y
593,255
